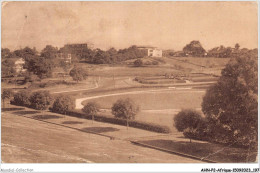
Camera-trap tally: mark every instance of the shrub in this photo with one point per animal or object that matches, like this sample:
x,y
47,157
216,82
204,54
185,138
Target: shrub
x,y
138,63
126,109
6,94
92,108
199,133
63,104
119,121
188,121
155,62
40,100
78,74
21,99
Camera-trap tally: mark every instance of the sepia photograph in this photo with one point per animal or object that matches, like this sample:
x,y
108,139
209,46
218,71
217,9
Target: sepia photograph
x,y
129,82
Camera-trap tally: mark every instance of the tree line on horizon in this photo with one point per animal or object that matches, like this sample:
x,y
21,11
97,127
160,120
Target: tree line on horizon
x,y
41,64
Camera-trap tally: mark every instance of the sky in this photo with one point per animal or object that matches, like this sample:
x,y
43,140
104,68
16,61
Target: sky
x,y
167,25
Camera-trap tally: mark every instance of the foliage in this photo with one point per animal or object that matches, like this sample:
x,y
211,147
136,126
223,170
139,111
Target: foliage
x,y
194,48
133,123
21,99
112,56
78,73
125,108
138,63
63,104
187,118
5,53
7,94
231,105
220,52
40,66
91,108
49,52
8,68
40,100
30,77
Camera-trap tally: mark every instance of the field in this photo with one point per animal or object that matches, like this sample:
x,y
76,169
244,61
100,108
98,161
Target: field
x,y
30,141
155,106
166,65
157,100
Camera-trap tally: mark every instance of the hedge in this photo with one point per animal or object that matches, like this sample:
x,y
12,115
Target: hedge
x,y
132,123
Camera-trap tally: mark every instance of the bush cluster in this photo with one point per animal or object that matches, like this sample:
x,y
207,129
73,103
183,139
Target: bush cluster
x,y
124,109
120,121
191,123
39,100
63,104
21,99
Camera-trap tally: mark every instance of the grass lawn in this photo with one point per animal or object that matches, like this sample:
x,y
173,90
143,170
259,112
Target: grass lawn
x,y
214,152
156,107
169,99
166,65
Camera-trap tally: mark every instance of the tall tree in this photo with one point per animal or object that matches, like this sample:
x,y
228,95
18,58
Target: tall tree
x,y
40,66
126,109
49,52
231,105
194,48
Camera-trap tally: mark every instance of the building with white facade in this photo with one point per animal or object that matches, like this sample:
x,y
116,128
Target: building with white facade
x,y
151,51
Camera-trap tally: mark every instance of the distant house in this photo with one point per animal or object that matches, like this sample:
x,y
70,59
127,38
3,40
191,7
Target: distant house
x,y
65,57
18,65
151,51
77,50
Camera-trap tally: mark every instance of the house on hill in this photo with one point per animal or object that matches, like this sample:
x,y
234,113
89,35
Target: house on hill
x,y
18,65
77,50
65,57
151,51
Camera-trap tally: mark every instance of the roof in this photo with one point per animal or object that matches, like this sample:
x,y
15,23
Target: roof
x,y
146,47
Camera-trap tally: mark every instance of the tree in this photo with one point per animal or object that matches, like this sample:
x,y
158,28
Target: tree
x,y
194,49
6,94
22,98
237,46
138,63
66,67
187,121
231,105
5,53
91,108
8,68
63,104
49,52
78,74
126,109
30,77
25,52
220,52
40,66
40,100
